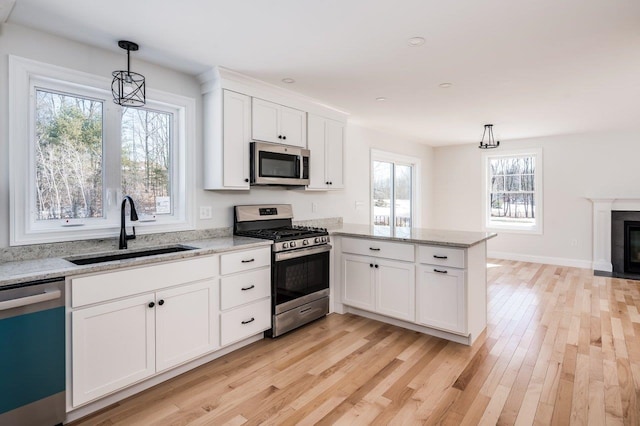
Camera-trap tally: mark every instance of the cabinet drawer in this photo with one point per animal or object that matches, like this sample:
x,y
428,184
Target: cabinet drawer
x,y
231,263
112,285
439,255
245,321
378,248
244,288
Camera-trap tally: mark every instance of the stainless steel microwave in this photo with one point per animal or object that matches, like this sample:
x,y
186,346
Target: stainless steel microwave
x,y
276,164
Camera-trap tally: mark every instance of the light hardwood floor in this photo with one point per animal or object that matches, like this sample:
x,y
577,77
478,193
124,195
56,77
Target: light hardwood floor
x,y
562,347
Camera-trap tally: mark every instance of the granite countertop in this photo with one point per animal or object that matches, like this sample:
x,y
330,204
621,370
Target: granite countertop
x,y
439,237
18,272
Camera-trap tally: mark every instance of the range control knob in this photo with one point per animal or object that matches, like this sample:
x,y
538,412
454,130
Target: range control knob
x,y
285,245
305,242
292,244
316,240
324,239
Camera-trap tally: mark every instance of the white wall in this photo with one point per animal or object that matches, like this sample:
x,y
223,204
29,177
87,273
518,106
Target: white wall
x,y
575,166
28,43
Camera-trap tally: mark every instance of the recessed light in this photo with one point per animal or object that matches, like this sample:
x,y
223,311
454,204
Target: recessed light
x,y
445,85
415,41
381,99
288,80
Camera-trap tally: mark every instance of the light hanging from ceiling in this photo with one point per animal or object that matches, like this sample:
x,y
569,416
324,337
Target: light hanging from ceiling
x,y
491,142
127,87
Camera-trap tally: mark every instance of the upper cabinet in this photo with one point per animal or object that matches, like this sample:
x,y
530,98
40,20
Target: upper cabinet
x,y
326,143
227,134
278,124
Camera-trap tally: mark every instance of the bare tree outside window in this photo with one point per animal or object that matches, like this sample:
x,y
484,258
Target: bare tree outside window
x,y
68,133
392,193
146,156
512,190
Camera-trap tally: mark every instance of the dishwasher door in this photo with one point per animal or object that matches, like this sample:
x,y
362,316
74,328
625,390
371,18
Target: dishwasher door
x,y
32,353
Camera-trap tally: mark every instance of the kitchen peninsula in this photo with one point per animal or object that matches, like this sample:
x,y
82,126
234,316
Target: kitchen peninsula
x,y
431,281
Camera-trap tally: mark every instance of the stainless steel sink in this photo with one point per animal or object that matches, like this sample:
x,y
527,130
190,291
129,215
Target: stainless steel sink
x,y
127,255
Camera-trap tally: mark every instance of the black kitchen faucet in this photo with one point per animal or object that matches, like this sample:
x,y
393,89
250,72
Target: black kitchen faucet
x,y
134,217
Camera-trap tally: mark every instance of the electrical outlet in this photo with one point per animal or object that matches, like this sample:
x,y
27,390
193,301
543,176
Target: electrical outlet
x,y
574,243
206,212
314,207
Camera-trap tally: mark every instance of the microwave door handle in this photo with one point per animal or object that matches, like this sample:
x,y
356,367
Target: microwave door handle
x,y
300,166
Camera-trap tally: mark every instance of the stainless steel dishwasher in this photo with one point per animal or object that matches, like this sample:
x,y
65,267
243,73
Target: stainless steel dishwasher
x,y
32,362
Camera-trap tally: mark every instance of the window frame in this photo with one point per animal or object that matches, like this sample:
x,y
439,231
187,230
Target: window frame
x,y
488,225
25,76
404,160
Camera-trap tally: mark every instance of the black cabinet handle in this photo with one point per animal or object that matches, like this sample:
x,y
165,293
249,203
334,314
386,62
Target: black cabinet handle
x,y
246,180
326,183
279,136
248,288
440,257
330,183
284,137
371,265
304,310
439,271
248,261
248,321
161,302
374,249
376,266
151,304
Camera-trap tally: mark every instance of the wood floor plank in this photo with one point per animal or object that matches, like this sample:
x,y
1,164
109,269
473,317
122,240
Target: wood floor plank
x,y
562,347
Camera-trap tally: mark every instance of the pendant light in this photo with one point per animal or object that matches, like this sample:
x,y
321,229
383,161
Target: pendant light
x,y
127,87
491,142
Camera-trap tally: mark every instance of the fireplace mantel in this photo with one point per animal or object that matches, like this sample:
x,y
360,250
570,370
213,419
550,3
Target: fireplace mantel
x,y
602,207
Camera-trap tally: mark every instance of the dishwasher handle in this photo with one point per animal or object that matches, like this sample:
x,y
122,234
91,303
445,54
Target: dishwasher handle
x,y
30,300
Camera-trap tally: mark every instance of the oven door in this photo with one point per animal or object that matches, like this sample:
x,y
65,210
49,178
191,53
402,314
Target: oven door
x,y
300,276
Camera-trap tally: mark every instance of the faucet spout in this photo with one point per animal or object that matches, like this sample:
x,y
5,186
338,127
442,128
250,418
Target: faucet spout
x,y
133,216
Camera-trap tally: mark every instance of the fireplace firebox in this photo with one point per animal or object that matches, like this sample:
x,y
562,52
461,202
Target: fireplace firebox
x,y
632,247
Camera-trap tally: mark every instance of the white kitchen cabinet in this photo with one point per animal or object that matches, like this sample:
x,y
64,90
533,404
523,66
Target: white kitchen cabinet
x,y
113,346
358,286
326,143
434,289
383,286
245,294
441,298
130,324
276,123
185,323
227,135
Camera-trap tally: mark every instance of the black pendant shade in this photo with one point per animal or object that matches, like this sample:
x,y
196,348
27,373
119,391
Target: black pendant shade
x,y
490,142
127,87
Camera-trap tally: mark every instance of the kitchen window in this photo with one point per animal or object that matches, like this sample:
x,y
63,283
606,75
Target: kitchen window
x,y
75,154
513,185
394,181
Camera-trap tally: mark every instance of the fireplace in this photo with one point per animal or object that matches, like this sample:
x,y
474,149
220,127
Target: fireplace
x,y
625,244
631,247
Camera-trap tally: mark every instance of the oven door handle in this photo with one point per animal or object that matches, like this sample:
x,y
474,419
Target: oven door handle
x,y
293,254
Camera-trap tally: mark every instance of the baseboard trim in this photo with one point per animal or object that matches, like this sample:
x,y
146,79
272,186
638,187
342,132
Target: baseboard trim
x,y
560,261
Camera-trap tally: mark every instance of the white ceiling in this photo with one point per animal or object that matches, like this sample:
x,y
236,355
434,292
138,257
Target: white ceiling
x,y
532,68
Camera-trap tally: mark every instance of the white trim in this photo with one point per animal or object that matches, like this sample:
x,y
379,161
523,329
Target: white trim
x,y
538,193
560,261
24,74
416,164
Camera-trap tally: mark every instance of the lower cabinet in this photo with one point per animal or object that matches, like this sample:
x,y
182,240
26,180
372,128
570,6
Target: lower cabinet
x,y
441,301
379,285
119,343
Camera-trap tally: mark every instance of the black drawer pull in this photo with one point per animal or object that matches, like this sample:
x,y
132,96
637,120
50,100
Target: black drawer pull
x,y
152,304
371,265
375,266
248,321
248,288
248,261
439,271
161,302
374,249
440,257
305,310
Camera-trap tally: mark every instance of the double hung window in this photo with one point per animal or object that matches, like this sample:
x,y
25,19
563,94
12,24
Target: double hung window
x,y
514,191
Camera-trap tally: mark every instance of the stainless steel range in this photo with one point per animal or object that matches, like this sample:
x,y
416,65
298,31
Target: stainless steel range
x,y
299,267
